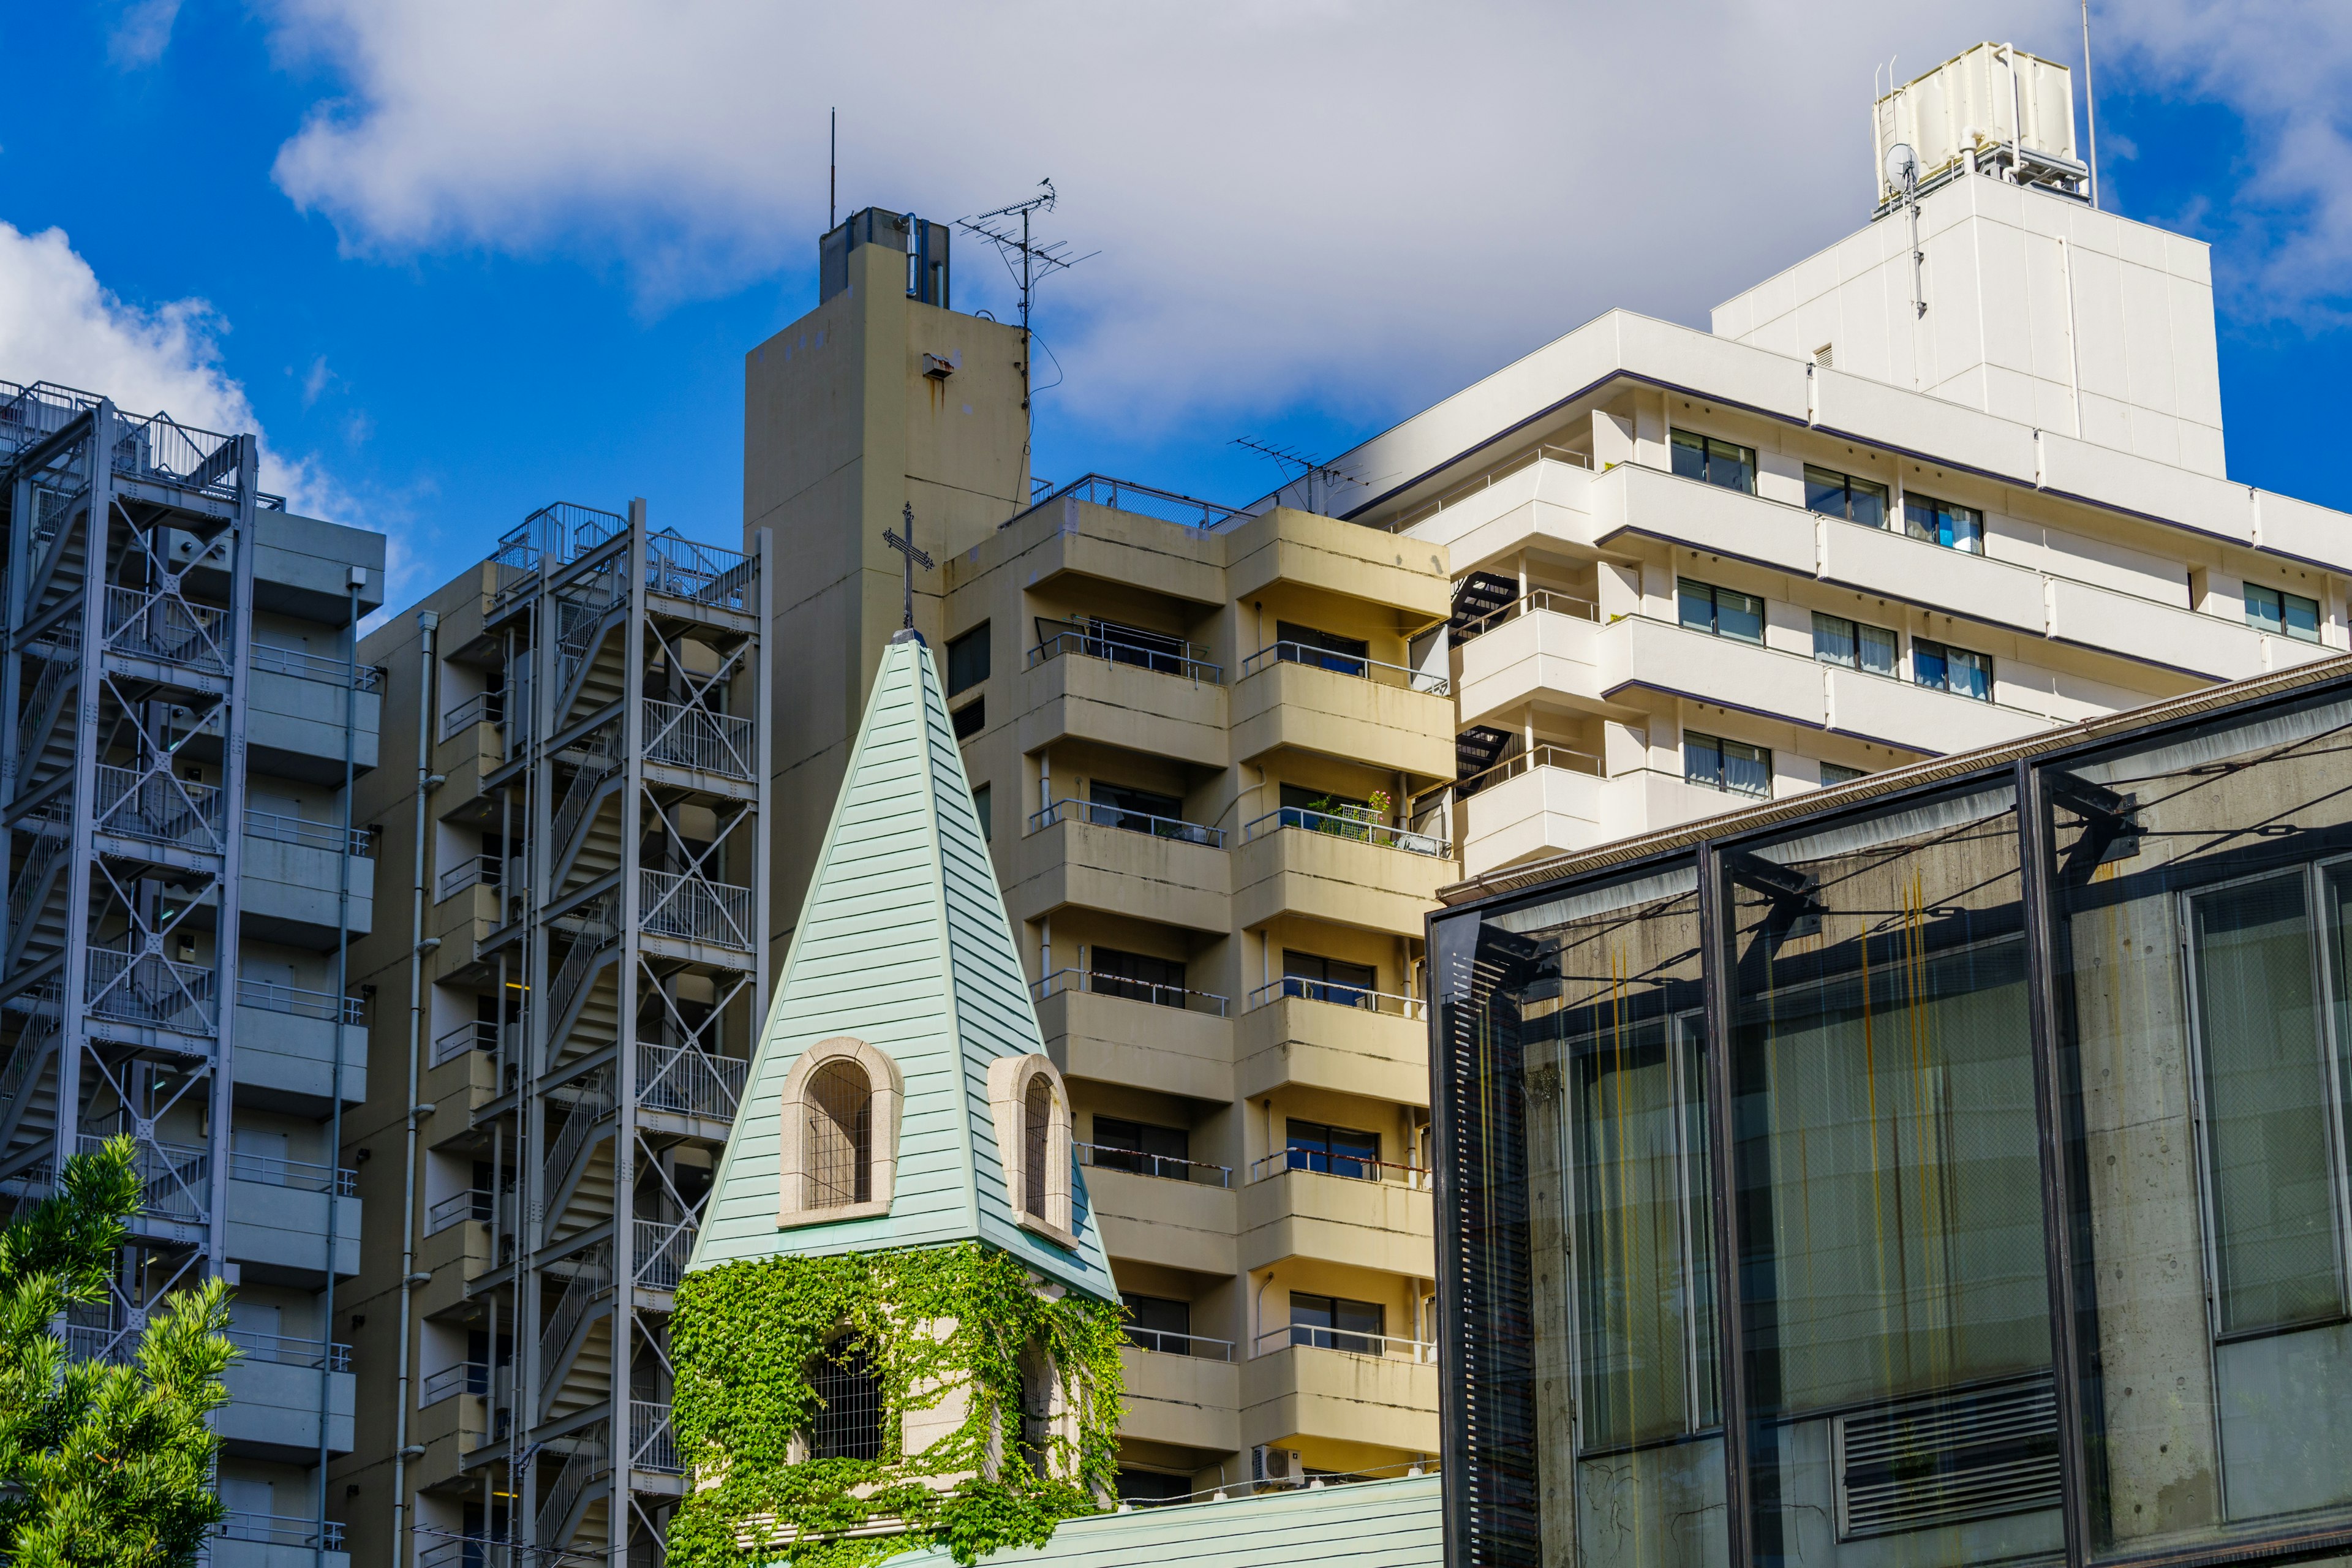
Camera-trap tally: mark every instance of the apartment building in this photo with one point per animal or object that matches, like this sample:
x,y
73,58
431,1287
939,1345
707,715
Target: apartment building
x,y
1189,731
182,718
567,979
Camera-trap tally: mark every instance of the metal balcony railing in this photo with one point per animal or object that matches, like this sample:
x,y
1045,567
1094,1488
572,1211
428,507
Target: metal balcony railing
x,y
1349,1167
280,1529
687,735
149,989
474,870
159,808
285,1350
474,1035
1536,601
174,1179
307,666
168,629
662,1250
1544,756
1340,825
1299,988
1167,1167
684,906
473,1203
279,828
1162,656
270,996
296,1175
1120,985
706,573
689,1080
1097,815
1142,500
1308,1336
481,708
1162,1342
466,1377
653,1445
1349,664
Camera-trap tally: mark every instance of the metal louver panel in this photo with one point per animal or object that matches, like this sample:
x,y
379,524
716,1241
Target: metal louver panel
x,y
1946,1460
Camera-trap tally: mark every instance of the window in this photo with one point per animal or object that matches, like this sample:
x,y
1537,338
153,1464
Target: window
x,y
1835,774
1722,612
1151,1485
1713,461
982,807
1030,1107
2281,614
840,1136
1157,1323
970,718
968,661
839,1153
1327,650
1843,495
1335,1323
1733,766
1943,667
1319,979
1037,1126
1141,1147
1337,1151
849,1416
1036,1443
1947,523
1837,640
1138,977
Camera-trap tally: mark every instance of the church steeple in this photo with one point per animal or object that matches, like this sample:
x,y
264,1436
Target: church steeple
x,y
900,1095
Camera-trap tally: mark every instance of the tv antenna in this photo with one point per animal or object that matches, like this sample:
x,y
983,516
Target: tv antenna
x,y
1295,463
1037,260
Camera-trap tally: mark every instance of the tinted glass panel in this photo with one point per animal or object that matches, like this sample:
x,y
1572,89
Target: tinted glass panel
x,y
2265,609
968,661
1833,641
1878,650
1690,454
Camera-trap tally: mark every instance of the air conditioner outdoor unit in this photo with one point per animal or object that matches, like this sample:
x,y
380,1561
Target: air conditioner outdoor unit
x,y
1276,1466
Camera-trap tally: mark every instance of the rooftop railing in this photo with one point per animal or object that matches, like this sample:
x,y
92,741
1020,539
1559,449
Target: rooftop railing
x,y
706,573
1307,1336
1103,984
307,666
1355,665
1163,1341
1351,1167
1340,825
1299,988
1162,656
1537,601
1143,500
1166,1167
1095,813
274,997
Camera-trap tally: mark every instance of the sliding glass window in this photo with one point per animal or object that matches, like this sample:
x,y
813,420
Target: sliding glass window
x,y
1896,1311
2203,883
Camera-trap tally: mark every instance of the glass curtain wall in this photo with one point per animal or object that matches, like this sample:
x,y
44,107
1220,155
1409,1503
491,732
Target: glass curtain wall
x,y
1886,1169
2201,883
1588,1012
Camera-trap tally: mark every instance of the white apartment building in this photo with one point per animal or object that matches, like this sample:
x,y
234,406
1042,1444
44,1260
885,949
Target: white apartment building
x,y
1886,509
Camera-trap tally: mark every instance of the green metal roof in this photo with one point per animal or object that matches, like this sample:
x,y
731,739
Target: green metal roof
x,y
903,942
1362,1524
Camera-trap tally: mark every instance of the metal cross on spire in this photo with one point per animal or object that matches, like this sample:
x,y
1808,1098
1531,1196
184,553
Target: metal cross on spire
x,y
915,558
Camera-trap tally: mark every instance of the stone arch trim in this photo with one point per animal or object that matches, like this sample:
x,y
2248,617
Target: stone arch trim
x,y
1009,1079
890,1086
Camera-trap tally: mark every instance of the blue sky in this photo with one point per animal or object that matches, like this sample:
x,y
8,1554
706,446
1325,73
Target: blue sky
x,y
460,259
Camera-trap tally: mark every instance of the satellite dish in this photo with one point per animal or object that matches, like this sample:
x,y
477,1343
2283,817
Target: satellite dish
x,y
1902,167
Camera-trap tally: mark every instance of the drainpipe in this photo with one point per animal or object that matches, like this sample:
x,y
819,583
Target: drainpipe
x,y
427,622
335,1089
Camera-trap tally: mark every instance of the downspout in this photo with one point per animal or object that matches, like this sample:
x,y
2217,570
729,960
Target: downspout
x,y
426,621
335,1110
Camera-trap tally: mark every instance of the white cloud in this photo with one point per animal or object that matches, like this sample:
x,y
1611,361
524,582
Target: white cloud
x,y
142,33
1360,200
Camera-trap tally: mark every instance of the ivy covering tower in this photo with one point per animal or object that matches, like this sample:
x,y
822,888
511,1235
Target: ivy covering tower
x,y
899,1327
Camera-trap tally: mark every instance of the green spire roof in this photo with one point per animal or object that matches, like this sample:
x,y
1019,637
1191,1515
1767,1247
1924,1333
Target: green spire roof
x,y
903,944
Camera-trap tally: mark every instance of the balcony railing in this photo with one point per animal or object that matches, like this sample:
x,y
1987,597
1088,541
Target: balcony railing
x,y
677,565
474,1035
1539,600
1143,500
273,997
1564,758
149,989
678,904
481,708
447,1551
174,1179
168,629
1298,987
280,1529
1349,1167
1469,487
1308,1336
1355,665
687,735
159,808
474,870
1163,655
285,1350
466,1377
279,828
299,1175
307,666
1364,829
662,1250
1095,813
473,1203
653,1443
1162,1342
1167,1167
1120,985
689,1080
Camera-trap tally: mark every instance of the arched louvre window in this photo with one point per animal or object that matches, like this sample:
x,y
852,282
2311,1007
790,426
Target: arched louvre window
x,y
848,1424
1036,1122
840,1137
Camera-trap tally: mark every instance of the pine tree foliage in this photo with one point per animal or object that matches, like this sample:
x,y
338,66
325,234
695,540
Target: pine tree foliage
x,y
102,1466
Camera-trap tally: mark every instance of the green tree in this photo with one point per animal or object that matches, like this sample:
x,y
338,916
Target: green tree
x,y
102,1466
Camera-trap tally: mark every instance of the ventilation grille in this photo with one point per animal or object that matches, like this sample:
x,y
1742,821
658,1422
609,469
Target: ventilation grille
x,y
1825,357
1941,1461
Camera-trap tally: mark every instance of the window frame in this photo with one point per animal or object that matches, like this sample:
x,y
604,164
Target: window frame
x,y
1846,488
888,1086
1936,510
1009,1081
1893,670
958,672
2283,624
1943,653
1713,594
1722,784
1679,440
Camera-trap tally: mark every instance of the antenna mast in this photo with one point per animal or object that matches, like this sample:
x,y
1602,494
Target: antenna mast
x,y
1290,458
833,173
1037,262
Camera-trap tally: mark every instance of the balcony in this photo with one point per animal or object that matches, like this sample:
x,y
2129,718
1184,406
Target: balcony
x,y
276,1389
1116,1030
1385,1395
1176,1394
1631,498
1887,561
687,907
1175,712
1537,499
302,879
278,1214
1183,1222
1544,646
1544,802
286,1042
1317,1036
1356,709
1103,858
294,726
1344,869
1364,1213
690,738
246,1539
1323,555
